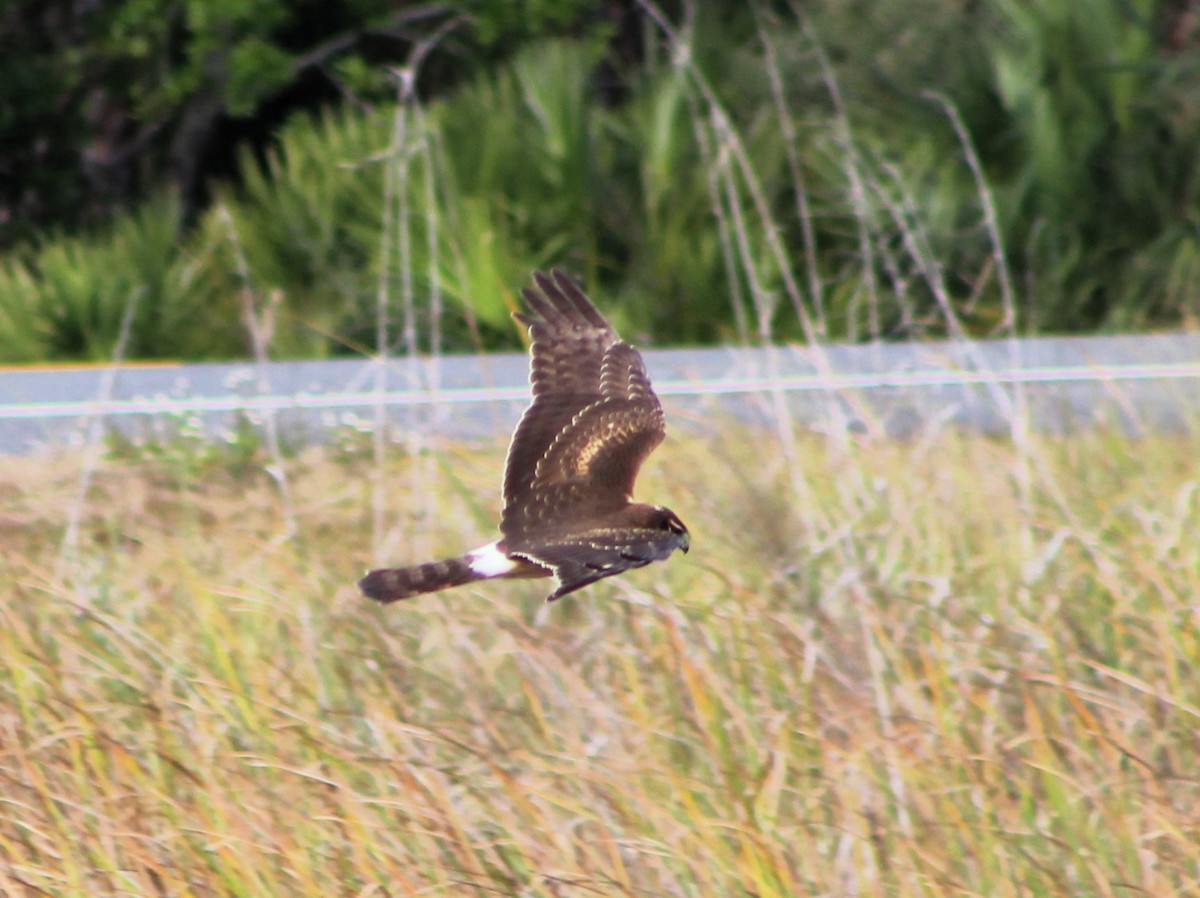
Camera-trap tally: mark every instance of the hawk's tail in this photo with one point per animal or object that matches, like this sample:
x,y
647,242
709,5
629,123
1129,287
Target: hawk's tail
x,y
395,583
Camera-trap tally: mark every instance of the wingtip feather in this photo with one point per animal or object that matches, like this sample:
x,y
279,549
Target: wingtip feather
x,y
576,299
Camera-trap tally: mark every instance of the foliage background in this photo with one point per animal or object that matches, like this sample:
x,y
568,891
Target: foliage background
x,y
366,175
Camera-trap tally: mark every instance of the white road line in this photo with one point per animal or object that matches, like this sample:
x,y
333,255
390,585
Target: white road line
x,y
158,405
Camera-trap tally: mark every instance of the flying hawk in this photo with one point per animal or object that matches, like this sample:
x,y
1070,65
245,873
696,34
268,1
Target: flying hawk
x,y
568,480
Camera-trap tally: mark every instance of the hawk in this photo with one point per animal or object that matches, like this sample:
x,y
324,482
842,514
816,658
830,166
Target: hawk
x,y
568,479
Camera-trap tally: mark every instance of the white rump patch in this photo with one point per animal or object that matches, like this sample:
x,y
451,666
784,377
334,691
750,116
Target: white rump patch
x,y
488,561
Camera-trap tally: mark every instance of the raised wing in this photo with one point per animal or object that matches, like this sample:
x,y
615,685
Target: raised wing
x,y
593,421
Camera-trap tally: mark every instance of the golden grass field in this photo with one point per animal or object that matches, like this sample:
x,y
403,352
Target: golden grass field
x,y
937,667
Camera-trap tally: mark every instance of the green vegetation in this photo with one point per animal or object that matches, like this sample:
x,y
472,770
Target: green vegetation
x,y
864,170
101,103
878,672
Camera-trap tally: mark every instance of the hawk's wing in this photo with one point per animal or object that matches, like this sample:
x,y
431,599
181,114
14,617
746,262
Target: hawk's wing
x,y
594,417
584,558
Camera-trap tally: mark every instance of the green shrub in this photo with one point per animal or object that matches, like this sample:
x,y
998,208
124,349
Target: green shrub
x,y
762,177
67,298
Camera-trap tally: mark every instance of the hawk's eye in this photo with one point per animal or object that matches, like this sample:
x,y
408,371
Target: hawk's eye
x,y
674,525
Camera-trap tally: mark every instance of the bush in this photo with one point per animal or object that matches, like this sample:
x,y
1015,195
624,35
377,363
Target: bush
x,y
67,298
863,173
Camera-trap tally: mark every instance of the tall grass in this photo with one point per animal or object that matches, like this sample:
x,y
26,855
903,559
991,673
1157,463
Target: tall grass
x,y
881,692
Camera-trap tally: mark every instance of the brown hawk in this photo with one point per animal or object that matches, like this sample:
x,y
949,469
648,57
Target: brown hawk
x,y
568,480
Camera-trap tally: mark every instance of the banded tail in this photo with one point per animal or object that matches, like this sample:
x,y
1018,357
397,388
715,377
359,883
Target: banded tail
x,y
395,583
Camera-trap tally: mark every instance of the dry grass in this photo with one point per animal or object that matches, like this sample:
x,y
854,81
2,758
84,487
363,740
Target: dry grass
x,y
914,682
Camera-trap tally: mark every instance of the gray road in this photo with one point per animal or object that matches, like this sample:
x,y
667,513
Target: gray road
x,y
1132,382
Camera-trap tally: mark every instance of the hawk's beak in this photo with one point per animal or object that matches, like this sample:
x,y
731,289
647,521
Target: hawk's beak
x,y
685,542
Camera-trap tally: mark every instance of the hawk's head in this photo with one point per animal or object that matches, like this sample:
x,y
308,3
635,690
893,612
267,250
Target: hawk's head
x,y
666,520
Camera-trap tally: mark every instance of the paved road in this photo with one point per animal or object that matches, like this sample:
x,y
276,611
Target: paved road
x,y
1134,382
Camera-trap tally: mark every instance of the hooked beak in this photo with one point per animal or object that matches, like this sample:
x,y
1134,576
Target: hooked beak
x,y
685,542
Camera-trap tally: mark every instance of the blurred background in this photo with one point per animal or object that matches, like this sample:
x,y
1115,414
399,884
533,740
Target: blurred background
x,y
372,174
